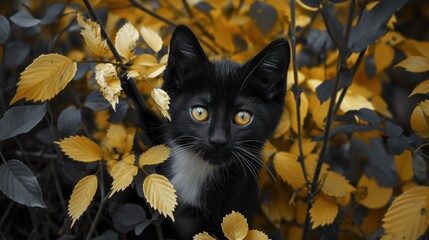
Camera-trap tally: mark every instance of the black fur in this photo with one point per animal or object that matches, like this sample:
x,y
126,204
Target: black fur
x,y
223,87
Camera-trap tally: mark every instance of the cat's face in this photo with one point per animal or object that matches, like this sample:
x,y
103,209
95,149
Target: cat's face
x,y
223,111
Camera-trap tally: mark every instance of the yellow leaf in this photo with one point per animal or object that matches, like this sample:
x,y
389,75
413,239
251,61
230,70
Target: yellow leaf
x,y
154,155
234,226
383,56
160,194
307,146
318,111
284,124
420,119
152,38
323,212
122,174
146,60
289,169
291,106
256,235
335,185
126,40
203,236
155,71
45,77
91,32
80,148
291,79
407,217
422,88
109,83
117,137
376,196
162,100
404,165
415,64
133,74
354,101
81,197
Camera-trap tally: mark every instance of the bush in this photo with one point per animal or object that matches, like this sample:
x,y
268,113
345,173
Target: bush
x,y
74,150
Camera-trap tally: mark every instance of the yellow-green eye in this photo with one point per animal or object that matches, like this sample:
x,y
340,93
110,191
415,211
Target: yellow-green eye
x,y
242,117
199,113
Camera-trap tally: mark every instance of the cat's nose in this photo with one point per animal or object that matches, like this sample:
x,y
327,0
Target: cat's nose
x,y
218,140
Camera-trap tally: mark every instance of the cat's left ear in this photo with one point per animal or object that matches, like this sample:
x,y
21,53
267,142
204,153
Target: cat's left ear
x,y
186,56
268,69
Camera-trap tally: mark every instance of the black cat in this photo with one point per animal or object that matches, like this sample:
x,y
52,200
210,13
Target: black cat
x,y
221,114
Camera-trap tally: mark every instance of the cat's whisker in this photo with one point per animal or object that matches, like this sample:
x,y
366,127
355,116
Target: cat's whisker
x,y
237,159
257,160
251,168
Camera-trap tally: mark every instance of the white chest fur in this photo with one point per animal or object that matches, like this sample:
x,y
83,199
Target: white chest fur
x,y
188,172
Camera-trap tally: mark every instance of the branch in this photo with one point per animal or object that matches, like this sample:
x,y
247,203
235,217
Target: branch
x,y
331,113
297,93
103,32
151,13
104,198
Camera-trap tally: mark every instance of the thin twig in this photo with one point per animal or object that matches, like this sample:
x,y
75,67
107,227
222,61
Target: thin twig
x,y
103,32
151,13
103,197
6,213
2,157
297,93
326,135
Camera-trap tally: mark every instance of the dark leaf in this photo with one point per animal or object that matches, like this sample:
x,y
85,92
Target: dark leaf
x,y
45,136
18,183
129,214
325,89
69,121
311,3
349,117
392,130
138,183
203,6
121,109
74,171
107,235
20,119
348,128
369,116
338,1
16,53
381,165
318,40
142,226
264,15
397,145
53,12
370,69
420,167
377,234
96,102
24,19
373,24
4,29
335,29
82,69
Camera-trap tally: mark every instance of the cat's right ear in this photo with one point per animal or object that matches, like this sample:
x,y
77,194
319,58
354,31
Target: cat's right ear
x,y
185,56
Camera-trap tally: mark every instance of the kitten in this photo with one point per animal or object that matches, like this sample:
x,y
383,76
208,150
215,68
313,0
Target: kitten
x,y
221,114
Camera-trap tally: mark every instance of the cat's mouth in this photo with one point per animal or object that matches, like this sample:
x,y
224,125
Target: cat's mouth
x,y
218,157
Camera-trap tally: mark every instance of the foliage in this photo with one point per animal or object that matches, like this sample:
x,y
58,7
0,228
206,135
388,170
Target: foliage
x,y
348,159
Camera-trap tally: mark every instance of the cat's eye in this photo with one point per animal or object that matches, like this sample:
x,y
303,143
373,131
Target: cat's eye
x,y
242,117
200,113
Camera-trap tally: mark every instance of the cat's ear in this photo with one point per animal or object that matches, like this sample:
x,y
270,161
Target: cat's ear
x,y
185,56
268,69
